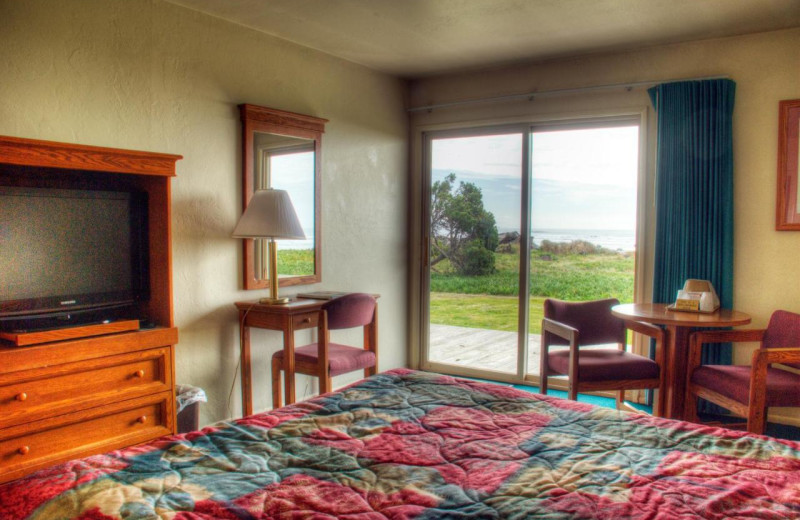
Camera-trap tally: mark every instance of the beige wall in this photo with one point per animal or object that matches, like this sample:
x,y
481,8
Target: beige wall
x,y
149,75
766,69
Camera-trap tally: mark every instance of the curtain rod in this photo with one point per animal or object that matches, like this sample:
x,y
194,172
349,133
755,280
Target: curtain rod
x,y
531,95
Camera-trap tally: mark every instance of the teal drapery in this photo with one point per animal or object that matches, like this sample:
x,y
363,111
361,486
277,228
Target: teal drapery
x,y
694,191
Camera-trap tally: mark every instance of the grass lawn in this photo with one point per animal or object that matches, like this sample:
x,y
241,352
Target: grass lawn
x,y
483,311
296,261
490,301
568,276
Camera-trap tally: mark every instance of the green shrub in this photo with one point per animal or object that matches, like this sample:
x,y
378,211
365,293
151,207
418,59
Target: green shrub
x,y
478,260
576,247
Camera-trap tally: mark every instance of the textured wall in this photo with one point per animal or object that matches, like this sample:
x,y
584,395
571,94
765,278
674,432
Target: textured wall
x,y
149,75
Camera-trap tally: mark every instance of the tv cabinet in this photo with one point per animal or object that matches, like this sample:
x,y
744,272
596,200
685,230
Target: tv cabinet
x,y
69,397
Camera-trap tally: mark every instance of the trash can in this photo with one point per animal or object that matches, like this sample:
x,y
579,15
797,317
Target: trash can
x,y
189,399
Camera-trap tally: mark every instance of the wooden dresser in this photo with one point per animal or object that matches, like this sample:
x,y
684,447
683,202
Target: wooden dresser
x,y
75,397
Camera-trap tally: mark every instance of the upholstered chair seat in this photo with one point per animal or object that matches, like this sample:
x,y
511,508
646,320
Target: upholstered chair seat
x,y
733,381
605,364
341,358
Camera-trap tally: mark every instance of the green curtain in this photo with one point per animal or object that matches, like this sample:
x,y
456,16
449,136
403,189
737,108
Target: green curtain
x,y
694,192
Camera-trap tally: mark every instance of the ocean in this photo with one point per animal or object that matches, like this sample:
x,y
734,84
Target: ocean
x,y
614,239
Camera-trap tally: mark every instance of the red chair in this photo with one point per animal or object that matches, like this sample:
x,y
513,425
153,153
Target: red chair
x,y
583,324
324,359
748,390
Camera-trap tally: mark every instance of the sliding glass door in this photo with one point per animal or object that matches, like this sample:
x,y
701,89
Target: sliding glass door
x,y
473,240
515,215
583,214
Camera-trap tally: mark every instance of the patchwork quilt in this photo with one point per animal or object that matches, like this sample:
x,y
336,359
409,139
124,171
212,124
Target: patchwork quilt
x,y
405,444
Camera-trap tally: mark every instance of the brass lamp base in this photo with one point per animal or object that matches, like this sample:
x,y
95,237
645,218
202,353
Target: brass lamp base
x,y
274,301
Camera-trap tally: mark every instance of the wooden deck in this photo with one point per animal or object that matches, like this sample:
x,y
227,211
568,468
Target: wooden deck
x,y
481,348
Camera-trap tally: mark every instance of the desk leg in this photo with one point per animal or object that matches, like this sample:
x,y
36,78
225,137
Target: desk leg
x,y
676,360
247,385
288,362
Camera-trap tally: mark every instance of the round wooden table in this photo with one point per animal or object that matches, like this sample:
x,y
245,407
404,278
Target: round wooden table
x,y
679,325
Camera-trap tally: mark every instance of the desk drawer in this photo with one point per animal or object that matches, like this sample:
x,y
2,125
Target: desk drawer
x,y
35,445
50,391
305,320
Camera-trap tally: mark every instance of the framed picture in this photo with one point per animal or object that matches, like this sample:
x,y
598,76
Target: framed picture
x,y
788,213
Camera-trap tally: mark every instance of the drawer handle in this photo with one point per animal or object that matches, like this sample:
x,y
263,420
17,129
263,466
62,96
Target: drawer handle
x,y
23,450
305,320
139,374
142,419
21,396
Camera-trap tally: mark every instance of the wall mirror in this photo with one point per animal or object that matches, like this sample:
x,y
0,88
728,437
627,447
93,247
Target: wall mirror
x,y
282,150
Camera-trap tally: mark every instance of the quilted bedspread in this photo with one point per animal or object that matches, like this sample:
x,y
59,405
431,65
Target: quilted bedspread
x,y
407,444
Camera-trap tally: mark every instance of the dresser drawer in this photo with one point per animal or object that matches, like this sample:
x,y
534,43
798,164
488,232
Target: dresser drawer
x,y
305,320
50,391
26,448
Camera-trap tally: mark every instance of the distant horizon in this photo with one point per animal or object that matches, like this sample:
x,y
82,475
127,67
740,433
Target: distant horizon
x,y
620,230
614,239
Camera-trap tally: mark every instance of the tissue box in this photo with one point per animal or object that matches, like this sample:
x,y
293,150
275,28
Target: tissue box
x,y
697,296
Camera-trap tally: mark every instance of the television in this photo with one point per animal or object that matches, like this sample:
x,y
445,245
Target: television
x,y
71,256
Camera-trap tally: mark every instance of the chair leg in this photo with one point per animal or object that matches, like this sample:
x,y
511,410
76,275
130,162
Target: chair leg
x,y
572,394
658,402
544,370
756,420
370,371
325,384
276,383
620,399
689,407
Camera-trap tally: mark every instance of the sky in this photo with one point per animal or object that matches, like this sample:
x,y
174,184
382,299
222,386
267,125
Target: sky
x,y
295,173
582,178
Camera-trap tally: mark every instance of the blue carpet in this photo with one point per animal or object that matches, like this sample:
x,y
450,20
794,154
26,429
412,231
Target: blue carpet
x,y
582,398
780,431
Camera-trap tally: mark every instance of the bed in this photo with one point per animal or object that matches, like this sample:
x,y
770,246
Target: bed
x,y
406,444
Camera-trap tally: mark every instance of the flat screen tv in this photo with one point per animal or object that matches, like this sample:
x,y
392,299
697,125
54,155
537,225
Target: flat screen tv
x,y
70,256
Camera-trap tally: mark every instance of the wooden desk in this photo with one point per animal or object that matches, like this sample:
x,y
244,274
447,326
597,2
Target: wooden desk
x,y
298,314
679,325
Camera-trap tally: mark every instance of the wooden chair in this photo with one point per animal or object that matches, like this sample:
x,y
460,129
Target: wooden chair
x,y
325,359
582,324
748,391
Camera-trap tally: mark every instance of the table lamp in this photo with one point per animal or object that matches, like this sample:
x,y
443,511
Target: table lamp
x,y
270,215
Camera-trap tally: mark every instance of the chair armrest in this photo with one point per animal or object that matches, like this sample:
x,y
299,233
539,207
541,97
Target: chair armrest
x,y
562,330
659,335
698,339
646,329
776,355
724,336
758,372
568,333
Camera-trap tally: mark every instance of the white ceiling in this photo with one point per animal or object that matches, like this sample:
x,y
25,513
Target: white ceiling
x,y
415,38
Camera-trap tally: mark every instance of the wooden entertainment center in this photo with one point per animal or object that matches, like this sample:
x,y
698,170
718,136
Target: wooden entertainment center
x,y
67,396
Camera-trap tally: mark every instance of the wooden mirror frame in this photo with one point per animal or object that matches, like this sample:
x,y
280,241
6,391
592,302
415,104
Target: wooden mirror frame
x,y
279,122
788,203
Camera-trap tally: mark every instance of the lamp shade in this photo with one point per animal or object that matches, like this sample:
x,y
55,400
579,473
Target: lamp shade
x,y
269,214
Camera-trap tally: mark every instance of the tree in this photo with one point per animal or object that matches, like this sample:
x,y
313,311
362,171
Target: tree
x,y
462,231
